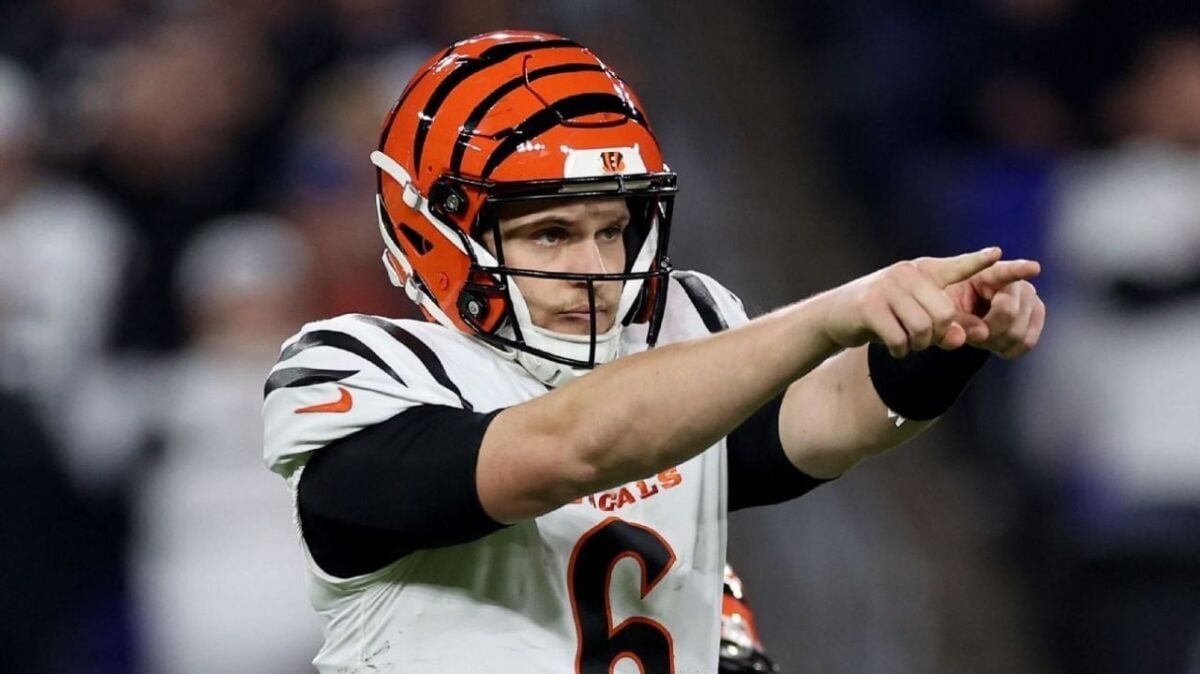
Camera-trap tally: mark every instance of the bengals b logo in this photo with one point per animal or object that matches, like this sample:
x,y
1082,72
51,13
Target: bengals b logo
x,y
613,161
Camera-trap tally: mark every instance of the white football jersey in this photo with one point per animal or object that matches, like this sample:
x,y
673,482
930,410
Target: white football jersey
x,y
624,580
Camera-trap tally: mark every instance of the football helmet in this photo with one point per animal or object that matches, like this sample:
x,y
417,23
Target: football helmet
x,y
511,116
741,651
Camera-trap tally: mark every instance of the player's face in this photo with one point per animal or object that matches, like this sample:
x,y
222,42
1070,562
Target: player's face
x,y
582,236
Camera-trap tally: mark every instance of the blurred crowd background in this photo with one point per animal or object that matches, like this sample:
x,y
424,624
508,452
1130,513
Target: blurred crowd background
x,y
183,183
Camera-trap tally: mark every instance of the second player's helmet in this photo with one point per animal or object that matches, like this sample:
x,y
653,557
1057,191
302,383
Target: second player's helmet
x,y
741,650
514,116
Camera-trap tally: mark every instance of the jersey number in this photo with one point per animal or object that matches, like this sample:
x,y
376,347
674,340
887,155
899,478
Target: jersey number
x,y
589,575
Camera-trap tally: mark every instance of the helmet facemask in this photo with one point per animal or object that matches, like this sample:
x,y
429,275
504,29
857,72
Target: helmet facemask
x,y
556,356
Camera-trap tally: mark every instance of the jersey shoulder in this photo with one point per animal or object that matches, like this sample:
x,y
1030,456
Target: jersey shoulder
x,y
340,375
697,304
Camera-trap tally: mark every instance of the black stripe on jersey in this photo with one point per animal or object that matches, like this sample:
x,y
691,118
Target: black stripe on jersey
x,y
703,300
488,57
339,340
428,358
468,127
294,377
558,113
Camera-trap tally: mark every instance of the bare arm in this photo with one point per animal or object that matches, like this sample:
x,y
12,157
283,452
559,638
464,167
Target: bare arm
x,y
642,414
832,419
648,412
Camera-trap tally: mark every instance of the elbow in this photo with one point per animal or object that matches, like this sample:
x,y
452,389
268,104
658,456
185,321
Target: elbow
x,y
550,471
586,465
592,463
825,465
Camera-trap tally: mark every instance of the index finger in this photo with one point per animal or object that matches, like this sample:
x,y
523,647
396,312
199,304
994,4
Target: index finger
x,y
946,271
1006,272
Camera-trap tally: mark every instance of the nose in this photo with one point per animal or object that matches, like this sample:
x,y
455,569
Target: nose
x,y
586,258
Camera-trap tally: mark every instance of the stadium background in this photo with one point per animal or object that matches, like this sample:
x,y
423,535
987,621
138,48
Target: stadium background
x,y
183,183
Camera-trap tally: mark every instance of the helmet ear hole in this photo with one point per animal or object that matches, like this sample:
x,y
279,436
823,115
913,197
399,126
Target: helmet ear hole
x,y
419,243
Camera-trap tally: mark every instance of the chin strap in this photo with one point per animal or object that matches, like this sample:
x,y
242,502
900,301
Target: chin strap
x,y
548,372
556,374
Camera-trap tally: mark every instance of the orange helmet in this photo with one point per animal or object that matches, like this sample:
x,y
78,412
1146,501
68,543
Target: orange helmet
x,y
512,116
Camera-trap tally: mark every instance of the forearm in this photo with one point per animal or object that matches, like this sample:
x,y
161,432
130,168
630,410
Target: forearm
x,y
640,415
833,418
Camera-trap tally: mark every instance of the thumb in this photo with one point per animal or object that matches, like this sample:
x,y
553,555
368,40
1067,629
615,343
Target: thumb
x,y
966,329
946,271
976,328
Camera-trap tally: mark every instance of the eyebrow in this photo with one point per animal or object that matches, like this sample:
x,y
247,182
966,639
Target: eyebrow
x,y
555,219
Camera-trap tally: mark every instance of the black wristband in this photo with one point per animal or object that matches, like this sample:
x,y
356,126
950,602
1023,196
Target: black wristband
x,y
922,385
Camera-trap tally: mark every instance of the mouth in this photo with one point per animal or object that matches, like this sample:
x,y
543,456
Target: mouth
x,y
584,312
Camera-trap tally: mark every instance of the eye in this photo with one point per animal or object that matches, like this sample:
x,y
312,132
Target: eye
x,y
549,236
612,232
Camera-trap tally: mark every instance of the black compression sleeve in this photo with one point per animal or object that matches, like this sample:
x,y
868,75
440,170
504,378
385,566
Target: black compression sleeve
x,y
924,384
759,471
402,485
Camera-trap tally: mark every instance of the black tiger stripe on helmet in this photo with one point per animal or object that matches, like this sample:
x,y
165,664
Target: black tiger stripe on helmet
x,y
477,114
469,67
